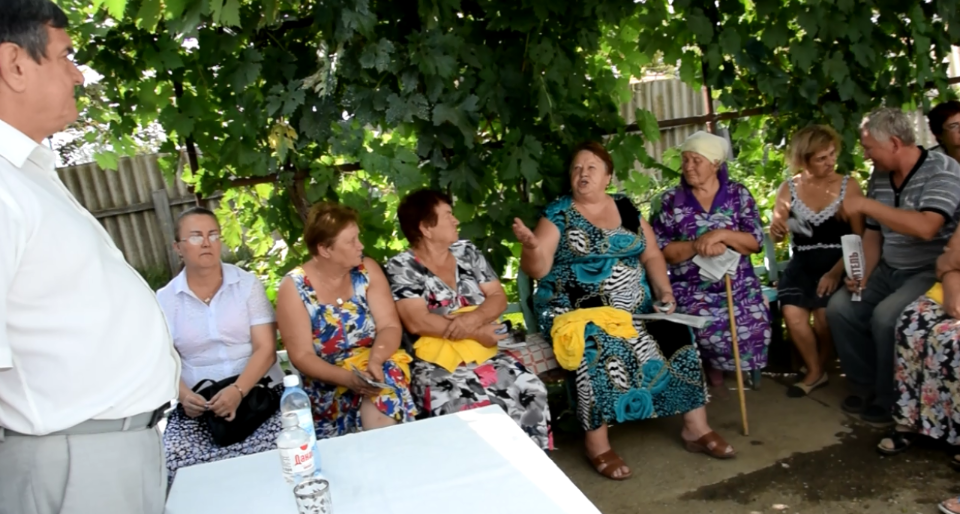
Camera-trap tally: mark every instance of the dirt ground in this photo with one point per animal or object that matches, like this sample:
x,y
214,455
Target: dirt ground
x,y
802,456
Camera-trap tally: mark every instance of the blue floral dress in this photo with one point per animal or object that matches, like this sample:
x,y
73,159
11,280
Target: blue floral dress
x,y
338,332
654,375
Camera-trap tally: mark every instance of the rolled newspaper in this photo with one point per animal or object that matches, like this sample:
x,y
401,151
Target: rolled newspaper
x,y
853,260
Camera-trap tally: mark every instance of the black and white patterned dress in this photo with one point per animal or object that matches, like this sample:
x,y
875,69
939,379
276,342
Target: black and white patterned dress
x,y
501,381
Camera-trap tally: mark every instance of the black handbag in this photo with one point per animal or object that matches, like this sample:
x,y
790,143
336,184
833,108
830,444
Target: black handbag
x,y
254,409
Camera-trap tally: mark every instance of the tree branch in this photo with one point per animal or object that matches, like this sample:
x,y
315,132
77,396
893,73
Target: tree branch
x,y
297,176
191,146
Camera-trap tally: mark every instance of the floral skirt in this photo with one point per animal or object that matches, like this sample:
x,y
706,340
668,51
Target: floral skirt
x,y
658,374
336,411
752,315
927,376
187,441
501,381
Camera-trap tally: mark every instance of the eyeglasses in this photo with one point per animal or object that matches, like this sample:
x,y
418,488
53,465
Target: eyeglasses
x,y
197,240
953,127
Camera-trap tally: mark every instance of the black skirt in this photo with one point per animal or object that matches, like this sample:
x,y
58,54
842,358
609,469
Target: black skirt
x,y
798,284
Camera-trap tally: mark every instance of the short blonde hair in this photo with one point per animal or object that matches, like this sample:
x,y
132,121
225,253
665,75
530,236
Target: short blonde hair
x,y
325,222
808,142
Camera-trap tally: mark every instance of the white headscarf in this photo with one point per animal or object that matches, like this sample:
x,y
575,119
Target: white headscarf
x,y
708,145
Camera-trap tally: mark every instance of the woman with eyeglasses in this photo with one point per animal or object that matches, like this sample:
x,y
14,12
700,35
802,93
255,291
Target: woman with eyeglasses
x,y
944,122
222,326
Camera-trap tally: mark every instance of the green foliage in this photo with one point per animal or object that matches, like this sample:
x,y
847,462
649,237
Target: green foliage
x,y
366,101
363,101
156,276
807,62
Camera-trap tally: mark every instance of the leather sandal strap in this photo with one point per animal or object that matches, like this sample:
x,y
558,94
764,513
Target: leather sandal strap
x,y
610,462
608,459
714,443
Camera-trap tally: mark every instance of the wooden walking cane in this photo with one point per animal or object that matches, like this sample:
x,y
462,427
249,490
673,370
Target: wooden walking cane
x,y
736,357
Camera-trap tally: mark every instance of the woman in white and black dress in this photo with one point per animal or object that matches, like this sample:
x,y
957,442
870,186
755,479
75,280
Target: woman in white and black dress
x,y
222,325
807,208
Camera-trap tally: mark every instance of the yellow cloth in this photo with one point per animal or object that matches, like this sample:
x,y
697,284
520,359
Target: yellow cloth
x,y
361,359
449,354
568,331
936,293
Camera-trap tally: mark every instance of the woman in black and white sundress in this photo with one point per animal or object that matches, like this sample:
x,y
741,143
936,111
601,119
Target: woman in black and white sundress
x,y
222,325
807,208
438,276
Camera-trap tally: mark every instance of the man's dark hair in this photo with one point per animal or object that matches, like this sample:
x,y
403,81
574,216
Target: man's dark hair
x,y
24,23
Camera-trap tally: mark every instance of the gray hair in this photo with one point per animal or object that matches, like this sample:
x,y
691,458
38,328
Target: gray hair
x,y
887,122
24,23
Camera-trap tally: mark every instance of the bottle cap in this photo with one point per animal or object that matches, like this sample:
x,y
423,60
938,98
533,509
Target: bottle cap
x,y
289,419
291,380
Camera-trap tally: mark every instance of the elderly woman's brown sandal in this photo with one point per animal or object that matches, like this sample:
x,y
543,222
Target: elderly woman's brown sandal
x,y
711,444
607,463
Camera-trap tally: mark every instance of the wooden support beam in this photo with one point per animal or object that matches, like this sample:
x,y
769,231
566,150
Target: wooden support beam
x,y
147,206
161,205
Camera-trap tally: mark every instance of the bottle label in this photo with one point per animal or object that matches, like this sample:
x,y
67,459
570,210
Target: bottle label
x,y
306,423
297,461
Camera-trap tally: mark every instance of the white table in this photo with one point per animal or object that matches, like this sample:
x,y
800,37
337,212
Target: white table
x,y
474,462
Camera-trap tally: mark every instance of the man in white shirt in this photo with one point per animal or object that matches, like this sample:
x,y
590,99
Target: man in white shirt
x,y
87,365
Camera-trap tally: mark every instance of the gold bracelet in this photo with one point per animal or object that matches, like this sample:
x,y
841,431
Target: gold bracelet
x,y
238,389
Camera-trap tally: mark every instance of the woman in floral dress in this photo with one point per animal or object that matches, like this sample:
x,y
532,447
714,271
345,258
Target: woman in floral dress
x,y
706,214
927,369
438,276
590,255
335,313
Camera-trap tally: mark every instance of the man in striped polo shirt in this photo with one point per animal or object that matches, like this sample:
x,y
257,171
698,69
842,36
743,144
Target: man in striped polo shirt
x,y
911,210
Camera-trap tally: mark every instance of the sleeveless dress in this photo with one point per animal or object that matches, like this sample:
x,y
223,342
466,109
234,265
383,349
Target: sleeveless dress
x,y
502,381
654,375
814,255
338,332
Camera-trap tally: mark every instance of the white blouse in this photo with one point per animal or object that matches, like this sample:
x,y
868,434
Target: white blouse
x,y
214,340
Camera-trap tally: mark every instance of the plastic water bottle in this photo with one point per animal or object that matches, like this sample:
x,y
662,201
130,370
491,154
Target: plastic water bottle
x,y
296,401
296,452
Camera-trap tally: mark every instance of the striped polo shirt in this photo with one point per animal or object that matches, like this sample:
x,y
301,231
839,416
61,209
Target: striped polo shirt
x,y
932,185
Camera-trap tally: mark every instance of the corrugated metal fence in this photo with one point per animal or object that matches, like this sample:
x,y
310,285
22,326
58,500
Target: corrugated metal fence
x,y
667,99
136,205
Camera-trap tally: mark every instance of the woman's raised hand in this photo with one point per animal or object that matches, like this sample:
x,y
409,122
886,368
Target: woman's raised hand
x,y
526,236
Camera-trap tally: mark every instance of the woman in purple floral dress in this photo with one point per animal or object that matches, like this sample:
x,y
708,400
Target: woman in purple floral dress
x,y
704,215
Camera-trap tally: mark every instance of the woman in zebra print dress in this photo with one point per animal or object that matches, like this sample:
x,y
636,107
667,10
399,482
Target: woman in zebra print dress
x,y
591,249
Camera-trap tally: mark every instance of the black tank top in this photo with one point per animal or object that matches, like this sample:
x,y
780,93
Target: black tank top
x,y
828,228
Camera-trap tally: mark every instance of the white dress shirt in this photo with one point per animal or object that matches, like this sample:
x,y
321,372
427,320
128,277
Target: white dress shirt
x,y
214,340
82,335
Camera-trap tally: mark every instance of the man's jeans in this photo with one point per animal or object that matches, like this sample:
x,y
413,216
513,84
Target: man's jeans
x,y
863,332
